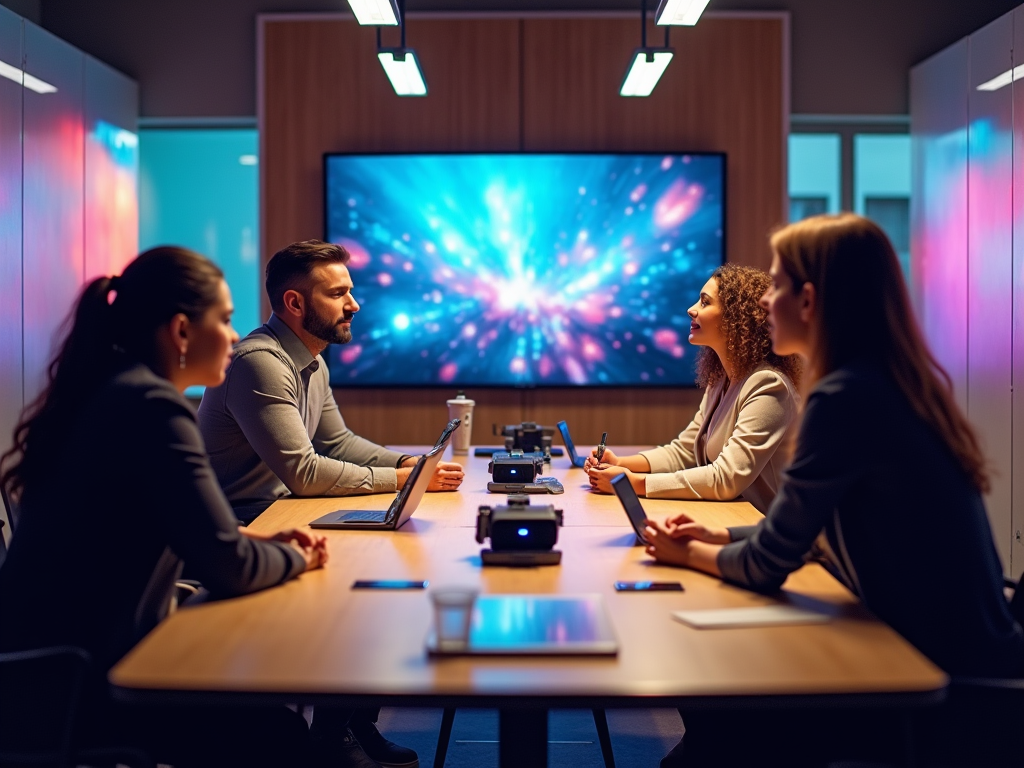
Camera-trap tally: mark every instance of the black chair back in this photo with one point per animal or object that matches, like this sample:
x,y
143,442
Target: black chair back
x,y
1017,601
10,506
39,695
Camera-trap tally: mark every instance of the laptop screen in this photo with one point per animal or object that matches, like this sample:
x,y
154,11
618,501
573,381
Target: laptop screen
x,y
630,503
416,484
564,429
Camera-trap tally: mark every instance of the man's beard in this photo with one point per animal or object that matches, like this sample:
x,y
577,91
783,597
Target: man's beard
x,y
325,328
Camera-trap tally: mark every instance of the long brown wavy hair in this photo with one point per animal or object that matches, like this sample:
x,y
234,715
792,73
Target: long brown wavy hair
x,y
745,327
864,313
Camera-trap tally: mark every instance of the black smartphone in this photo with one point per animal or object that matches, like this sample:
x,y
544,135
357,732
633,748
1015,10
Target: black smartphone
x,y
648,586
389,584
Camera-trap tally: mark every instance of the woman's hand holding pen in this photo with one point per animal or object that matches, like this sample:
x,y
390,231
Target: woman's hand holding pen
x,y
609,459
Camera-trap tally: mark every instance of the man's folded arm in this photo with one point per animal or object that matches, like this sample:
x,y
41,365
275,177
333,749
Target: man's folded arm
x,y
264,404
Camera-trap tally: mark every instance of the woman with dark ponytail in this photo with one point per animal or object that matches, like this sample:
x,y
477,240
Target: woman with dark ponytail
x,y
115,492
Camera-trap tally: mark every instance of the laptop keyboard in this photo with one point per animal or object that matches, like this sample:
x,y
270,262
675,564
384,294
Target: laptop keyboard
x,y
375,516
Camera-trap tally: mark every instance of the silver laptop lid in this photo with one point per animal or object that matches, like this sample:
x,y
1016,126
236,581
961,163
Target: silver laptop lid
x,y
416,485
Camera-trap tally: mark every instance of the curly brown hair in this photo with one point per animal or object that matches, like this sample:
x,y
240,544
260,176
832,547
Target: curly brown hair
x,y
745,327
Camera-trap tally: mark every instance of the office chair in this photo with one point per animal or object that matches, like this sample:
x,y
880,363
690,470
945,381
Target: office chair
x,y
448,720
10,506
978,724
39,694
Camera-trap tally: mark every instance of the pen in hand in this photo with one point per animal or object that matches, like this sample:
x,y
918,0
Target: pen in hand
x,y
600,447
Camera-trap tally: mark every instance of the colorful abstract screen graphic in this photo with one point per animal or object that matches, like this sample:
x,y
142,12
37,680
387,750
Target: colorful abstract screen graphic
x,y
524,270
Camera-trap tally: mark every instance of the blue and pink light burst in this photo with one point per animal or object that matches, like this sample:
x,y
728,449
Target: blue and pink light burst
x,y
524,270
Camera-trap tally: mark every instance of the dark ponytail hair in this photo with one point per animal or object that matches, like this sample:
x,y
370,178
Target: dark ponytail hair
x,y
113,324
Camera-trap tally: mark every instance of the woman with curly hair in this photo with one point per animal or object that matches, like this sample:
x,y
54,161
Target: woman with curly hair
x,y
735,445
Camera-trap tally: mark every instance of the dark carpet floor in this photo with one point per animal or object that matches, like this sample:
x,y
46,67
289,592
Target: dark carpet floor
x,y
640,737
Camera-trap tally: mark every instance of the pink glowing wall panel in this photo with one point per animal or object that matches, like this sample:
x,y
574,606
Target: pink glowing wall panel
x,y
10,230
111,170
1017,479
990,266
939,101
53,197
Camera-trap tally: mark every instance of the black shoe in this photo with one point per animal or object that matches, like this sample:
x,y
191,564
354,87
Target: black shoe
x,y
346,754
386,753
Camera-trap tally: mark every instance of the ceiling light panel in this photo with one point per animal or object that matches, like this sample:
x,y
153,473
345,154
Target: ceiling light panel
x,y
680,12
403,70
25,79
645,71
375,13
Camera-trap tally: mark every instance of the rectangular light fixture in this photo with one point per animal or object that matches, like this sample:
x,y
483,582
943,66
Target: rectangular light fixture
x,y
25,79
403,71
1003,80
645,71
680,12
376,13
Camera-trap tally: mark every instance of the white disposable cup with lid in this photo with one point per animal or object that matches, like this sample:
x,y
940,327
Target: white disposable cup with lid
x,y
461,407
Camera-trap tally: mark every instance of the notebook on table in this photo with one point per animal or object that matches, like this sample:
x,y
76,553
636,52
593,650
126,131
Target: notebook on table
x,y
406,500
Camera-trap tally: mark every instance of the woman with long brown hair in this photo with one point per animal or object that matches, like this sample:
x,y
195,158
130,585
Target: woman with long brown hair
x,y
735,446
886,466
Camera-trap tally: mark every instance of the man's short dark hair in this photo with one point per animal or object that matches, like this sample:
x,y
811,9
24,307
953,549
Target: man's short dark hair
x,y
289,269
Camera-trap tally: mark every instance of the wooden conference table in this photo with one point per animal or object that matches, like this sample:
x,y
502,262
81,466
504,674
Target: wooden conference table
x,y
315,641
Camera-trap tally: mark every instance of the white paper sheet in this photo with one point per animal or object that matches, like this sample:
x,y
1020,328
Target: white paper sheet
x,y
757,616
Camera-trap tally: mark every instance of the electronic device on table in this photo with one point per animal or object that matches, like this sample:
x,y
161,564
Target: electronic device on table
x,y
405,503
631,503
577,461
518,472
520,534
557,269
548,625
527,437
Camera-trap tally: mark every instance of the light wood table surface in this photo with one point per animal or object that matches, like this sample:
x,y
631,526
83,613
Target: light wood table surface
x,y
315,640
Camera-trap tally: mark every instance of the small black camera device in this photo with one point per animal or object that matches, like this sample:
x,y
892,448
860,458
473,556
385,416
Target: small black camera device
x,y
520,534
526,437
515,467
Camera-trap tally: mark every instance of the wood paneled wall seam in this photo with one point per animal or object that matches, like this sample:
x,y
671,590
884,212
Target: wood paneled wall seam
x,y
535,83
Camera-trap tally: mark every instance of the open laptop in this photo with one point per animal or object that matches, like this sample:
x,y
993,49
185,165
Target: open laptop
x,y
405,502
577,461
630,503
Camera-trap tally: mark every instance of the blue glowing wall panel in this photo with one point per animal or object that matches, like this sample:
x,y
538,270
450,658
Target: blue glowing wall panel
x,y
199,189
54,197
524,270
111,170
10,230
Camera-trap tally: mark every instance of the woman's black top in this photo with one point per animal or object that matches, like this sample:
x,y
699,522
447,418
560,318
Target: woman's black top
x,y
907,529
99,546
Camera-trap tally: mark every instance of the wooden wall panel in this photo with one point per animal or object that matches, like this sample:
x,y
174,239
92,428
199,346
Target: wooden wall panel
x,y
325,91
722,92
534,84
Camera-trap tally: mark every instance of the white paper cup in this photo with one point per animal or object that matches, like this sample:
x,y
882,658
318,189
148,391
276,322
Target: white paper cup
x,y
461,408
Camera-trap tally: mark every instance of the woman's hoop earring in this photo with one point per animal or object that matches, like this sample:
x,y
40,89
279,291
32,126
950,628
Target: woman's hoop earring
x,y
181,361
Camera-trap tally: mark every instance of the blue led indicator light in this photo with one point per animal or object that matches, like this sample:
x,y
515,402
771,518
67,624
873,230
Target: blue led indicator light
x,y
523,532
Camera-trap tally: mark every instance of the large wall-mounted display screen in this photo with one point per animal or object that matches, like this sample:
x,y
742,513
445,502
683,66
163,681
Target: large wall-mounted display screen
x,y
524,269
